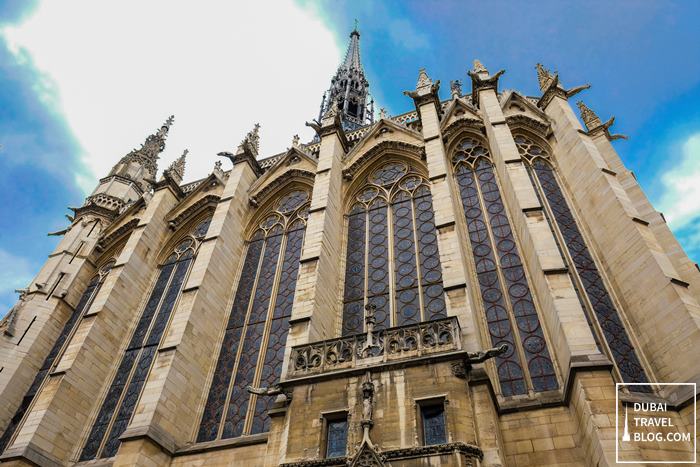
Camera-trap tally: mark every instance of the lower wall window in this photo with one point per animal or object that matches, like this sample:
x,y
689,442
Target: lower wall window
x,y
336,434
432,418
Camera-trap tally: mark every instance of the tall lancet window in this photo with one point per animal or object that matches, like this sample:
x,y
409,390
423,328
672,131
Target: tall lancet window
x,y
256,332
392,258
136,361
511,317
56,351
586,273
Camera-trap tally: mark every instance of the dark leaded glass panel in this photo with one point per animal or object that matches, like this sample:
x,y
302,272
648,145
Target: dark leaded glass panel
x,y
613,329
245,285
238,403
219,387
378,263
430,268
274,354
138,357
266,277
405,270
353,308
509,367
434,430
80,309
336,438
534,345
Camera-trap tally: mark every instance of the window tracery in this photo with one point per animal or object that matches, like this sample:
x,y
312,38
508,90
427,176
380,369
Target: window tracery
x,y
120,402
586,272
505,293
392,258
256,333
56,351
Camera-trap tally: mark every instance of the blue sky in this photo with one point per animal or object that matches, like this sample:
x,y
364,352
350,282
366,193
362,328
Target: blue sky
x,y
82,82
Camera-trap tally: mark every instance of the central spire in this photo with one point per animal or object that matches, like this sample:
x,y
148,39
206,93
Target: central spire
x,y
350,89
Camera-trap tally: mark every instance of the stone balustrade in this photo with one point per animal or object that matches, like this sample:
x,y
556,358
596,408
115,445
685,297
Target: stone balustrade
x,y
384,345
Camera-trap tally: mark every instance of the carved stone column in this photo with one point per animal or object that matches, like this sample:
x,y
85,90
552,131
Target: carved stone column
x,y
317,299
63,407
571,338
655,299
446,207
168,411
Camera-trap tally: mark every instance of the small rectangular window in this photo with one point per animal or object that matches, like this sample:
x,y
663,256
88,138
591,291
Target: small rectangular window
x,y
336,434
433,423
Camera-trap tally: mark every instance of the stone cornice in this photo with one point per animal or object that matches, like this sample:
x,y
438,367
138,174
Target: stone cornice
x,y
465,123
168,182
208,202
278,182
520,120
382,147
483,83
107,241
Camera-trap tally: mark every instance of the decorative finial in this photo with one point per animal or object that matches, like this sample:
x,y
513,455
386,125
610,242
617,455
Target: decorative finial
x,y
356,23
251,141
177,168
590,119
594,124
295,141
218,170
544,77
479,67
456,88
423,79
383,113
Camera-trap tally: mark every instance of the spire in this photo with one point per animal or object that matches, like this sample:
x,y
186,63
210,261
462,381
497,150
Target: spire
x,y
479,67
590,119
350,89
352,56
148,154
177,168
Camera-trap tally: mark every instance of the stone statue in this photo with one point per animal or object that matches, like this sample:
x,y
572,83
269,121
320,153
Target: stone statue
x,y
7,324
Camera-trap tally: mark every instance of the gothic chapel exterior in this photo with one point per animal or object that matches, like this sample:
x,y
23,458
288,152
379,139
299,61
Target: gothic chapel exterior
x,y
459,285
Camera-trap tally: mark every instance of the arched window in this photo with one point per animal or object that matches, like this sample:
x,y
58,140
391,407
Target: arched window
x,y
505,292
392,258
256,333
586,273
56,351
125,390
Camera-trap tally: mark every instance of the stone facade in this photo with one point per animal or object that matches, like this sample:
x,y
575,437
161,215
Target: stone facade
x,y
460,285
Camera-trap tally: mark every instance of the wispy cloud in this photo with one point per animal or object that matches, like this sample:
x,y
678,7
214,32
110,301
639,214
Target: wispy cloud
x,y
15,272
680,201
116,70
404,34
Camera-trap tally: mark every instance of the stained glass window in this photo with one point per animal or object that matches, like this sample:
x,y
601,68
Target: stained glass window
x,y
56,351
433,421
392,258
336,437
124,392
256,333
511,317
613,330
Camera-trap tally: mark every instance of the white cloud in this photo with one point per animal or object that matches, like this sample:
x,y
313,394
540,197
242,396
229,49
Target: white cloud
x,y
120,68
15,273
680,201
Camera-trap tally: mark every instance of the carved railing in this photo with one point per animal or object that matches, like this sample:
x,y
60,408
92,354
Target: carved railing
x,y
384,345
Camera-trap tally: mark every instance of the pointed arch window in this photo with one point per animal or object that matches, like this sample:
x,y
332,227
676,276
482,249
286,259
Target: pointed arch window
x,y
585,272
56,351
124,392
511,317
392,258
253,347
